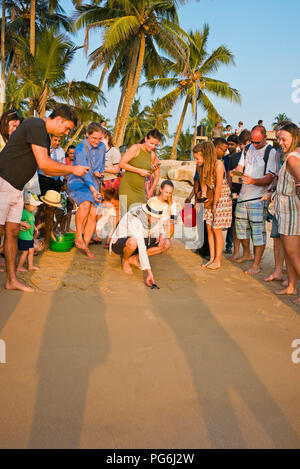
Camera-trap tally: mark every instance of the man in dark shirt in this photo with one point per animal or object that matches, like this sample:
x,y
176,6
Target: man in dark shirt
x,y
244,140
27,149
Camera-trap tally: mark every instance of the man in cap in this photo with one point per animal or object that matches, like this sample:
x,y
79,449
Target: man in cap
x,y
140,235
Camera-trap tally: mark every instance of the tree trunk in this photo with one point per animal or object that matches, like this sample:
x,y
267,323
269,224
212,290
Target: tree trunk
x,y
195,131
126,104
178,132
2,91
11,69
125,86
32,26
74,137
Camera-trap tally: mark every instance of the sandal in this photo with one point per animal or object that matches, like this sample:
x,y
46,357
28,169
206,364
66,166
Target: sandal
x,y
202,200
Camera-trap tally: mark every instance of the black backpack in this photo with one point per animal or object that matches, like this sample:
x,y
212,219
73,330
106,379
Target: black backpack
x,y
266,155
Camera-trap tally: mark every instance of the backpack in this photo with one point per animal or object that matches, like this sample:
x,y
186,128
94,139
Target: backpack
x,y
266,155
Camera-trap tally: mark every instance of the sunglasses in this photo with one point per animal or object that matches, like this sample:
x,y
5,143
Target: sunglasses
x,y
257,143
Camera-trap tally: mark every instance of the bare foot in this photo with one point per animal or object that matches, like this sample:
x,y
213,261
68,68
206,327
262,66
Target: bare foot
x,y
214,266
34,267
133,260
22,269
286,291
234,257
126,268
16,285
273,277
89,254
253,271
208,263
80,244
285,283
244,259
297,301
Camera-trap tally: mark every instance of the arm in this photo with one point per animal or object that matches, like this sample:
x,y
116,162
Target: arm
x,y
131,153
156,177
265,181
53,168
116,157
293,166
219,181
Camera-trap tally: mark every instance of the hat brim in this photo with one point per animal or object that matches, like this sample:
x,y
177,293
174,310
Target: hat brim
x,y
52,204
154,215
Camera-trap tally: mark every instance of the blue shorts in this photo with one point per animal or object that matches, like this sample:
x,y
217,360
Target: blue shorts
x,y
80,193
25,245
274,231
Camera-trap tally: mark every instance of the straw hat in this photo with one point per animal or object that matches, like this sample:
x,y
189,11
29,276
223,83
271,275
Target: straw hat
x,y
154,207
52,198
31,198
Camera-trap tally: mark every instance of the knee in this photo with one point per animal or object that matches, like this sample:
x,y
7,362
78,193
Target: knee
x,y
131,243
167,244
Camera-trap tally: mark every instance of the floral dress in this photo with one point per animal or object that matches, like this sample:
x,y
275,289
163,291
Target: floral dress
x,y
222,217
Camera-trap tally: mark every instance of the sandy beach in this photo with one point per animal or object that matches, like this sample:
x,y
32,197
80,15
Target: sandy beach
x,y
95,359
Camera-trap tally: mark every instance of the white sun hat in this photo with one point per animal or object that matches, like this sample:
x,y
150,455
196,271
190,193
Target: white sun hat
x,y
154,207
30,198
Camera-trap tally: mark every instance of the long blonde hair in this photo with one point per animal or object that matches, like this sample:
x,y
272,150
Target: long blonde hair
x,y
208,169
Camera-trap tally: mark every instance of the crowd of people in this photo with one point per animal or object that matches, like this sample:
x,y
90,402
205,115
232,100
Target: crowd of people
x,y
240,179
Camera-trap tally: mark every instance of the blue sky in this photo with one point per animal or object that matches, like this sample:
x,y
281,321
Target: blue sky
x,y
264,38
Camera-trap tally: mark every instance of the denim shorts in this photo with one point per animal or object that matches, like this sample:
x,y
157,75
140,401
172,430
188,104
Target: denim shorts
x,y
274,231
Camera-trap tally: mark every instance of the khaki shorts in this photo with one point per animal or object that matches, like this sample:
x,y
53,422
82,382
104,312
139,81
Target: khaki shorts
x,y
11,203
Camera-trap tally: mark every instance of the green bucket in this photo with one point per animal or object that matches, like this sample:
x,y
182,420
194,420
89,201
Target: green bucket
x,y
63,243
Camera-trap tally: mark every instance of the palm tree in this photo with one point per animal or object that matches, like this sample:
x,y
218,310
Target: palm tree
x,y
194,81
43,75
280,118
137,126
140,23
158,117
184,145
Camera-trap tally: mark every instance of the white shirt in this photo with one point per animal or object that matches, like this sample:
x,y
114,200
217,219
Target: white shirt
x,y
131,226
254,166
56,154
112,157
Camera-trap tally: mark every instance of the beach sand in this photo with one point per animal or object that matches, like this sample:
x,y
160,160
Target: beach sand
x,y
95,359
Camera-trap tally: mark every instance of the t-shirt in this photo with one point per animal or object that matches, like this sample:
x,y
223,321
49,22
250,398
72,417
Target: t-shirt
x,y
216,133
233,162
112,157
17,161
254,165
28,234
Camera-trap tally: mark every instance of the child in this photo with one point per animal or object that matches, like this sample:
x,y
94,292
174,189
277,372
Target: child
x,y
110,213
45,218
61,213
25,240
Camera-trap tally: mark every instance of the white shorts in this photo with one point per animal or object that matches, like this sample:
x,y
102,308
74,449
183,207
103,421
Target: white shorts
x,y
11,203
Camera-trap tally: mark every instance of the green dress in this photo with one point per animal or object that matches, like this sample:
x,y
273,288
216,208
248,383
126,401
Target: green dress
x,y
133,184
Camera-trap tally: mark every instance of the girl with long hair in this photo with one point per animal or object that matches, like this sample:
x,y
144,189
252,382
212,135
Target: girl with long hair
x,y
218,206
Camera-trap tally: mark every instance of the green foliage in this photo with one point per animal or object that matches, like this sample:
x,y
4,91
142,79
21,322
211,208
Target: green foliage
x,y
184,145
280,118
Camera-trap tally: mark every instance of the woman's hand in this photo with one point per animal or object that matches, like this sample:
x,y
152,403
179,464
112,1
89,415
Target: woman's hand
x,y
213,210
24,226
143,172
96,194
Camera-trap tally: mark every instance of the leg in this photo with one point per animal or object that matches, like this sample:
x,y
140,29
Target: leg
x,y
211,242
80,220
258,253
279,259
216,264
22,259
242,226
159,249
257,217
290,286
90,229
10,250
130,247
291,245
30,260
236,245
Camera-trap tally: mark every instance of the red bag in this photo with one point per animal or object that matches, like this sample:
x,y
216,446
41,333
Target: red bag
x,y
188,215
